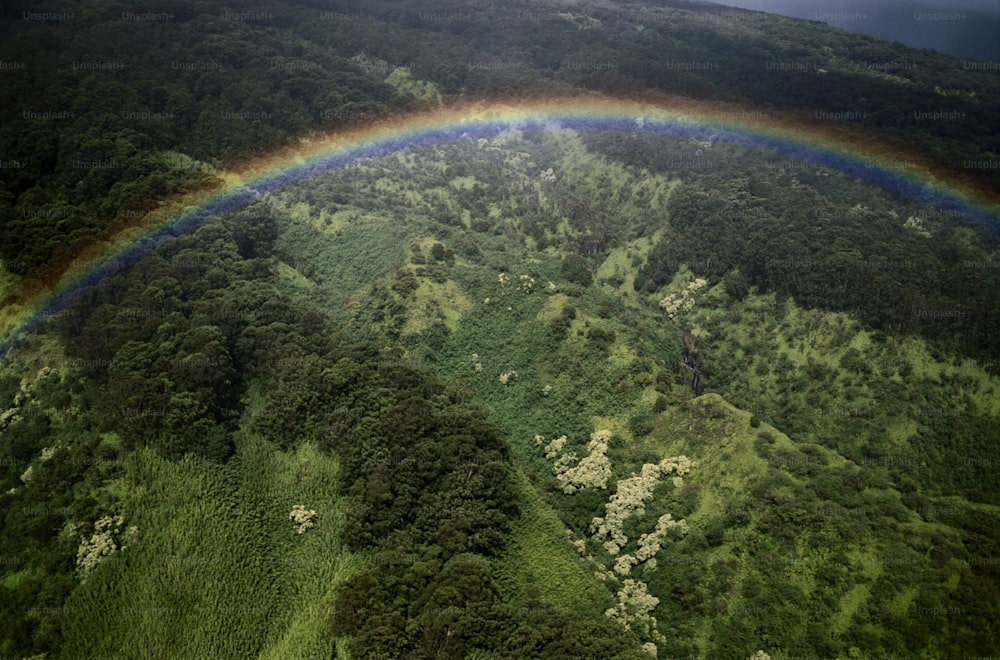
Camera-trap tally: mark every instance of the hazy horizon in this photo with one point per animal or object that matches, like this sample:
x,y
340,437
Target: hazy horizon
x,y
966,28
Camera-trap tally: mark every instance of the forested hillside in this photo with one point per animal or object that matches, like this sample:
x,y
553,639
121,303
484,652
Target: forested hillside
x,y
534,392
853,482
131,87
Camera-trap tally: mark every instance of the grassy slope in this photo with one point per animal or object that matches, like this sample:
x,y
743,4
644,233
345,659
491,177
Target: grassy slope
x,y
506,326
827,371
538,557
731,466
218,570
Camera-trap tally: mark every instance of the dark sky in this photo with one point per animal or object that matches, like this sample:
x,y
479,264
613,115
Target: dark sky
x,y
968,28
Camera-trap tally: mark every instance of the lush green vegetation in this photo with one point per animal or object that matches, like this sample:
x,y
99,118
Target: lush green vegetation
x,y
529,394
801,237
826,379
885,523
162,120
156,102
216,568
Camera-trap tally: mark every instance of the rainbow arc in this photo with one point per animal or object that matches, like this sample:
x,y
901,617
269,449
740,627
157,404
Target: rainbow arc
x,y
821,143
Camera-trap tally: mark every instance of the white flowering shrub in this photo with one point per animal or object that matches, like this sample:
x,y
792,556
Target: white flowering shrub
x,y
649,544
24,396
603,436
564,463
629,499
526,283
593,471
303,518
101,544
553,448
917,225
507,377
633,610
683,301
502,279
678,465
9,417
624,564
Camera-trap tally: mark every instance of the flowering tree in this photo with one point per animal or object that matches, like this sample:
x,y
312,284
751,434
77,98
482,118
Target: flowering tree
x,y
593,471
629,500
683,301
101,543
555,446
633,610
303,518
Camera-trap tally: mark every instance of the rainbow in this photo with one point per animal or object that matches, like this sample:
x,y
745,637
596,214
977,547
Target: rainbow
x,y
820,142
